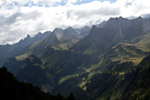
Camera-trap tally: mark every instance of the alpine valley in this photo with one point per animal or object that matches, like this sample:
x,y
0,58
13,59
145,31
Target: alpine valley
x,y
109,61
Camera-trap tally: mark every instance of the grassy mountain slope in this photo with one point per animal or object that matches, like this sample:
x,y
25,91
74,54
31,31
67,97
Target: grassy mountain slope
x,y
115,86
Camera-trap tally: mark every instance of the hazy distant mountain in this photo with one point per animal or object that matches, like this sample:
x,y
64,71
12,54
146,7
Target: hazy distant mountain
x,y
58,32
19,48
37,47
84,31
58,39
101,62
69,33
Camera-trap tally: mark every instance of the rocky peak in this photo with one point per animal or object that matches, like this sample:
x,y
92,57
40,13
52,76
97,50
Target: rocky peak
x,y
28,37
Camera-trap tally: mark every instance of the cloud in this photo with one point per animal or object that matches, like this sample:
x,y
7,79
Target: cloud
x,y
21,17
72,1
29,2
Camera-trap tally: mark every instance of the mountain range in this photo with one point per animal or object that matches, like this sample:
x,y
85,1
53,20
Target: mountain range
x,y
109,61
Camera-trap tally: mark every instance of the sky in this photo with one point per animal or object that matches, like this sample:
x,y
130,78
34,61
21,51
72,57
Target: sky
x,y
21,17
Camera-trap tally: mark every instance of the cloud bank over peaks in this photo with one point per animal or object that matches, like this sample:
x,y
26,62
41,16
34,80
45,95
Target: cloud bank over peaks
x,y
22,17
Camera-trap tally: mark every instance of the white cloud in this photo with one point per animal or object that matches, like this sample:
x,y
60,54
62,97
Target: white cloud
x,y
72,1
134,7
18,21
13,3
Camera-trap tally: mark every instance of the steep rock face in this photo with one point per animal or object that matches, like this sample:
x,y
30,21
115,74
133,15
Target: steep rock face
x,y
40,36
114,31
66,35
69,34
129,30
101,25
38,47
22,45
96,42
59,33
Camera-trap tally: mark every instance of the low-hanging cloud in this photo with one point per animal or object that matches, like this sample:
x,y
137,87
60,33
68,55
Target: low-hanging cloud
x,y
21,17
